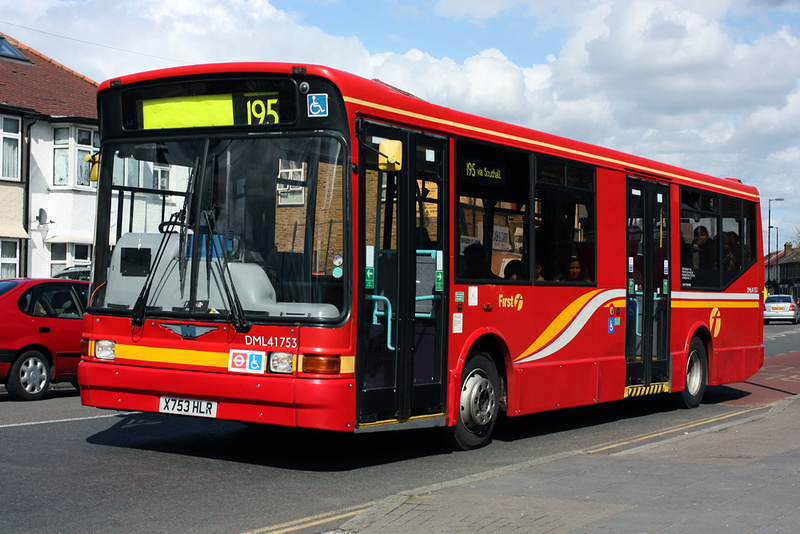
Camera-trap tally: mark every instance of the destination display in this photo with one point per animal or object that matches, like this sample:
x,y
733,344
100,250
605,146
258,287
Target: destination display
x,y
202,111
482,172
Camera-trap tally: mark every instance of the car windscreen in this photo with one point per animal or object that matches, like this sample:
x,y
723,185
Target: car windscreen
x,y
778,299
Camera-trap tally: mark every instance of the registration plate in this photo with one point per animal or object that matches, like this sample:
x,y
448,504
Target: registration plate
x,y
777,308
197,408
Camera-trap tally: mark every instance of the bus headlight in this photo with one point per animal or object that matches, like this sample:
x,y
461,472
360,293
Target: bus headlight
x,y
281,362
104,349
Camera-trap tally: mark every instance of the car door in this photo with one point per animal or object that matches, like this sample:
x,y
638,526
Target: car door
x,y
57,311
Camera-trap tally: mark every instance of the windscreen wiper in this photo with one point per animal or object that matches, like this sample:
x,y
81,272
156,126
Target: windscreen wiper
x,y
214,247
179,219
184,222
140,306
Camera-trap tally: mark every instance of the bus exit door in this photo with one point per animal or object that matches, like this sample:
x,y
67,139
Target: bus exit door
x,y
648,290
400,369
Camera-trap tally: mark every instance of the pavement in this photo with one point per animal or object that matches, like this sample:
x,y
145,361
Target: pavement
x,y
741,476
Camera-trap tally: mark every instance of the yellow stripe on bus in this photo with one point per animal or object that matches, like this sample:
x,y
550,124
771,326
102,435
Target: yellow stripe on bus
x,y
174,356
542,144
200,358
714,304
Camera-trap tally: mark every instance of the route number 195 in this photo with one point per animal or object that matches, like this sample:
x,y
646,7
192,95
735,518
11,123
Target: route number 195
x,y
262,111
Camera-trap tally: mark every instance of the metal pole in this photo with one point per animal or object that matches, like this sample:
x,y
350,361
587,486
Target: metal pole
x,y
777,250
769,233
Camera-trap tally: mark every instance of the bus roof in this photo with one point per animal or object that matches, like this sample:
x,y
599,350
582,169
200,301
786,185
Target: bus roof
x,y
380,100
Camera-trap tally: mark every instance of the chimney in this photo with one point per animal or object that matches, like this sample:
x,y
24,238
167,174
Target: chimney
x,y
787,247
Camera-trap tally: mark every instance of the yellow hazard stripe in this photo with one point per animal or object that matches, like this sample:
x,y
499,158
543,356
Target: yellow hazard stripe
x,y
652,389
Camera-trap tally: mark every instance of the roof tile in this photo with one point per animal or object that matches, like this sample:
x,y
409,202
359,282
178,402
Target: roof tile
x,y
45,86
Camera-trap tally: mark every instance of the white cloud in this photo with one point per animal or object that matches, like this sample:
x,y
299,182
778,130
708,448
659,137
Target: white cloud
x,y
668,79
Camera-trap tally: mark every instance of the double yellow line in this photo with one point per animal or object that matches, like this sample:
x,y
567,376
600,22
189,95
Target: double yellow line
x,y
314,520
671,430
344,513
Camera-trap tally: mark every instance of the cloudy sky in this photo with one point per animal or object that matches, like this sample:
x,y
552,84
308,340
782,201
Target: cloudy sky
x,y
711,85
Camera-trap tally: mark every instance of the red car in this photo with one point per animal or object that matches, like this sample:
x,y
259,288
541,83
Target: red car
x,y
40,334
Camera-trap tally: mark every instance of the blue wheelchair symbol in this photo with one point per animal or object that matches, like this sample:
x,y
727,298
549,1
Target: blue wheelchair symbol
x,y
256,362
317,105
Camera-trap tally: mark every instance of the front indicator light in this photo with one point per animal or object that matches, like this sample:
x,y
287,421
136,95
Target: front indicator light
x,y
281,362
323,365
104,349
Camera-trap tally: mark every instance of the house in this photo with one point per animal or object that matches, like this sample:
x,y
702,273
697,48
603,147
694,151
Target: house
x,y
782,271
48,124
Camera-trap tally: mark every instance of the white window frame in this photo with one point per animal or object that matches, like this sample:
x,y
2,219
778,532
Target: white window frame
x,y
10,261
5,137
288,193
70,259
76,155
161,176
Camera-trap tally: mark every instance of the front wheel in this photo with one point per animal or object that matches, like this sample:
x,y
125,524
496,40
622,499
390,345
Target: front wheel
x,y
478,403
696,375
29,376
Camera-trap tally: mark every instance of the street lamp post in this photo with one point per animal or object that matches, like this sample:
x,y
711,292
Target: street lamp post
x,y
769,230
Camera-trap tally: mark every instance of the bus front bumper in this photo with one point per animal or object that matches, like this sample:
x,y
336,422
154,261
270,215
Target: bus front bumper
x,y
322,403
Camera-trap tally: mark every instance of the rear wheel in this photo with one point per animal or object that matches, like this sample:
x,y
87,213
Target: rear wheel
x,y
29,376
696,374
478,403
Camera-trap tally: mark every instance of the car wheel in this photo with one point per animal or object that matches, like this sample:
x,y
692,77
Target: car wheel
x,y
29,376
696,375
479,404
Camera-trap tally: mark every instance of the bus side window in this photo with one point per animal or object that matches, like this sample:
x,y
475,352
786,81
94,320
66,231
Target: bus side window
x,y
566,226
492,188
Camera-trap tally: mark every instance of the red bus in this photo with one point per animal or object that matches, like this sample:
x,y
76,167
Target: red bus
x,y
295,245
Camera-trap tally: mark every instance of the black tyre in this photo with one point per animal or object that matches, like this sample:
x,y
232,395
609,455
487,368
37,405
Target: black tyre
x,y
479,404
696,375
29,376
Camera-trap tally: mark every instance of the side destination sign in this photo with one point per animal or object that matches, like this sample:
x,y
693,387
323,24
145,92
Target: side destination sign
x,y
249,109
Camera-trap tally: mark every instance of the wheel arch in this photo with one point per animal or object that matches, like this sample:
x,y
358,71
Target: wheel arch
x,y
493,345
700,331
41,349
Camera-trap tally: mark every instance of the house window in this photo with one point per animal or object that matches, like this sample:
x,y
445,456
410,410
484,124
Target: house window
x,y
9,258
161,177
291,183
9,149
82,254
84,168
58,258
73,144
63,255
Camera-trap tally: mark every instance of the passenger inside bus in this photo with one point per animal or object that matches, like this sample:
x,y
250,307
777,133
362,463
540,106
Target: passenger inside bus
x,y
731,253
574,272
514,270
704,250
477,263
539,276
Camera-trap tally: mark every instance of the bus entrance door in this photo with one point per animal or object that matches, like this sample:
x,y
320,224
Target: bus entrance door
x,y
648,290
400,364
